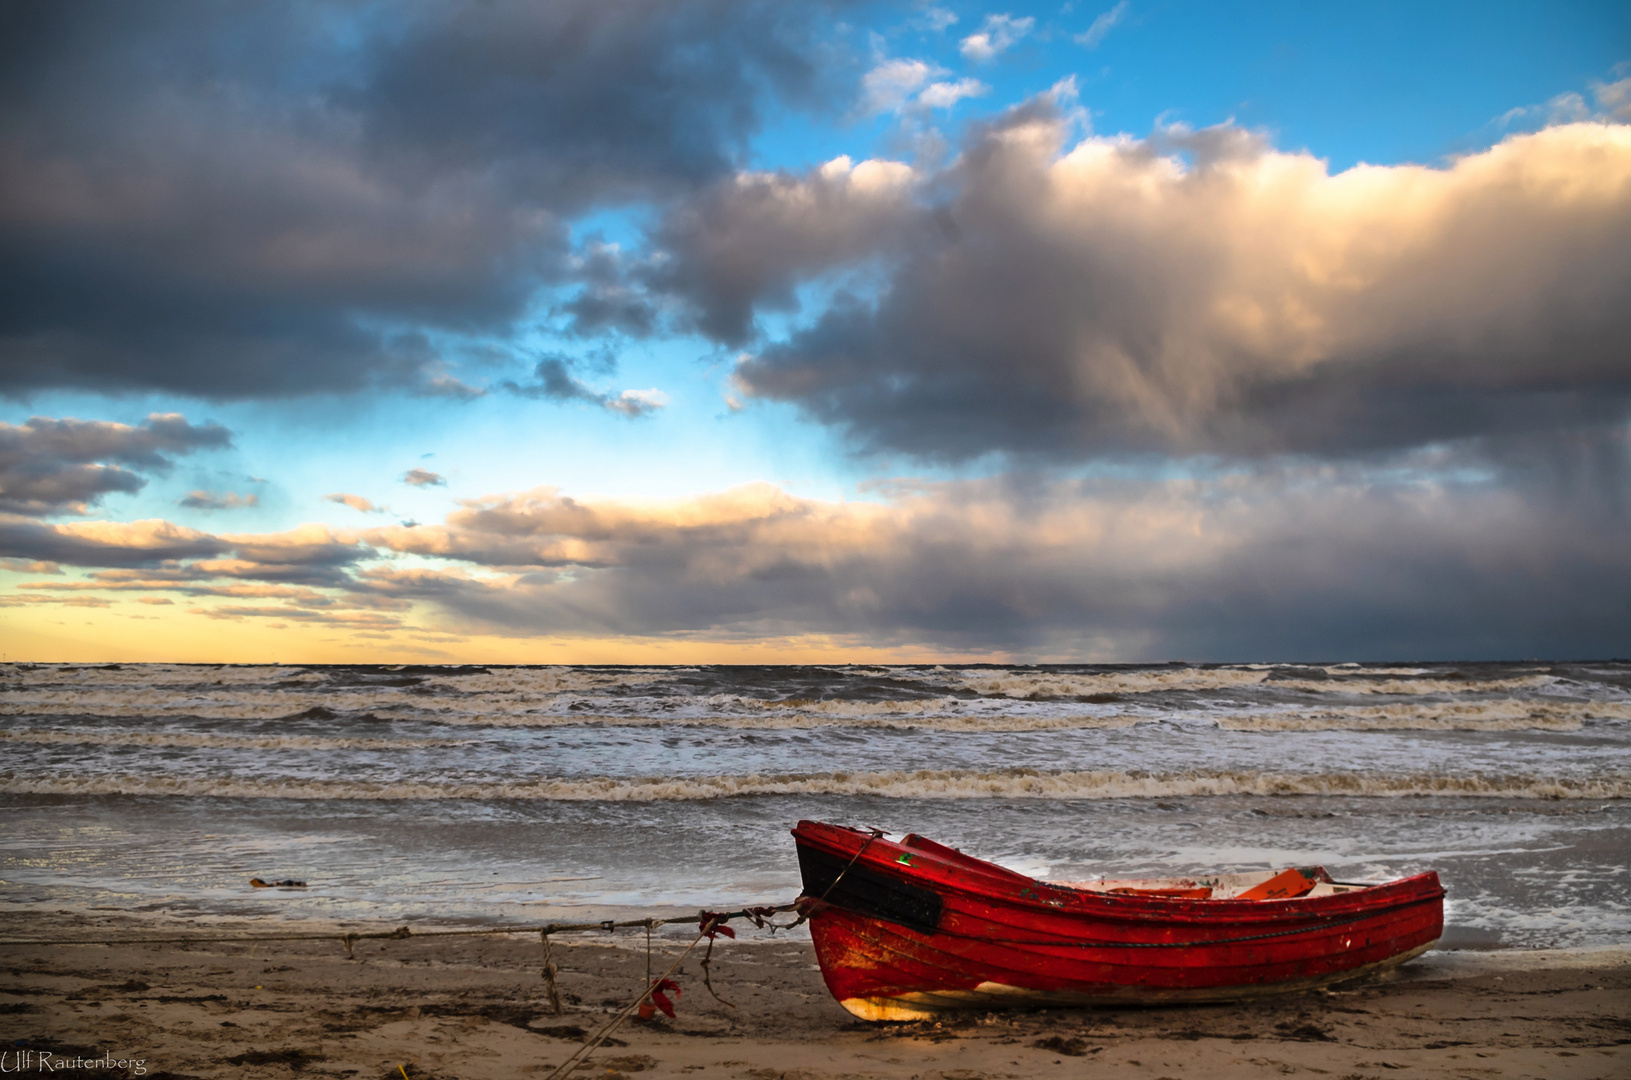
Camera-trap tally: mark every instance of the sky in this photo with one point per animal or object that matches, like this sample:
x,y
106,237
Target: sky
x,y
636,331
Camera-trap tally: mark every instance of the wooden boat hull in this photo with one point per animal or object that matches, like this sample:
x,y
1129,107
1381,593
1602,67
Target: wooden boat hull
x,y
908,930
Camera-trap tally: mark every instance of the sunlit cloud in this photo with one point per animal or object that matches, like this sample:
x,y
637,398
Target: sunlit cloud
x,y
892,83
999,34
943,95
356,502
1200,291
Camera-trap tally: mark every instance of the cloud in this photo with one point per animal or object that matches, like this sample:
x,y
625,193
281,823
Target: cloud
x,y
636,403
608,303
423,478
105,543
1449,552
447,386
348,620
186,212
57,466
1566,108
900,85
1613,99
155,555
1000,33
1195,292
1102,26
29,566
943,95
1613,104
308,569
749,240
22,599
218,500
356,502
889,85
556,383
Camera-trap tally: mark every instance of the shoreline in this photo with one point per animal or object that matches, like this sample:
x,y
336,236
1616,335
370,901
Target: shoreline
x,y
473,1008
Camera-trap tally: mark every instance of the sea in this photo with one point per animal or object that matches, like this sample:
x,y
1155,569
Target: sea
x,y
469,795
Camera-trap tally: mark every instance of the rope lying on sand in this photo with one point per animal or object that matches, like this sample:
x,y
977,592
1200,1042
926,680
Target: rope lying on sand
x,y
398,934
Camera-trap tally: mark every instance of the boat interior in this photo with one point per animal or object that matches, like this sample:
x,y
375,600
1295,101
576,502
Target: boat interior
x,y
1293,883
1288,884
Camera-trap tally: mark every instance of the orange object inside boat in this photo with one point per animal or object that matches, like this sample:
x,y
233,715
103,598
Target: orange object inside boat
x,y
1202,893
1282,886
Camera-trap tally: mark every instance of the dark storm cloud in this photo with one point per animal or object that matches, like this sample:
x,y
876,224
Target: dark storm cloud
x,y
745,242
611,299
239,200
583,102
55,466
1195,292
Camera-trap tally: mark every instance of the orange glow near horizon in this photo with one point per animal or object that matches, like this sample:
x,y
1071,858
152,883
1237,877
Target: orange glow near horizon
x,y
124,633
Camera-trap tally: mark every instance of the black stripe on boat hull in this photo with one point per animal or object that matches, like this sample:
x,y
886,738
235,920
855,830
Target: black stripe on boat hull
x,y
867,892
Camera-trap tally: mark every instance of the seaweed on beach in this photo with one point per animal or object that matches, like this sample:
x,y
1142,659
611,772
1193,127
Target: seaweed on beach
x,y
1060,1045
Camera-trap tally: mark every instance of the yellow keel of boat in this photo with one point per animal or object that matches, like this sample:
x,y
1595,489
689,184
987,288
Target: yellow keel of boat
x,y
992,995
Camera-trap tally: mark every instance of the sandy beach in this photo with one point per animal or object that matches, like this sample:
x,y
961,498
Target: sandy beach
x,y
476,1008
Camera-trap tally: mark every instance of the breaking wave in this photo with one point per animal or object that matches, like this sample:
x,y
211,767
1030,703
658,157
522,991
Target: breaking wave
x,y
1508,715
1254,697
1046,685
895,784
949,714
220,742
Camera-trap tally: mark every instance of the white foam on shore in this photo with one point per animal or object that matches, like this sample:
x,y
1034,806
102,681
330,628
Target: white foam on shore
x,y
1471,963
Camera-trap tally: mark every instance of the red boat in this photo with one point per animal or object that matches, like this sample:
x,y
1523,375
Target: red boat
x,y
907,930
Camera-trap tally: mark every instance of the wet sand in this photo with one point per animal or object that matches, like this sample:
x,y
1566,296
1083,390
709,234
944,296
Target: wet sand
x,y
476,1008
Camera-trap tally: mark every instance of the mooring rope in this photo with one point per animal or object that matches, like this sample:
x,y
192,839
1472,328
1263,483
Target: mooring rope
x,y
399,934
710,923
